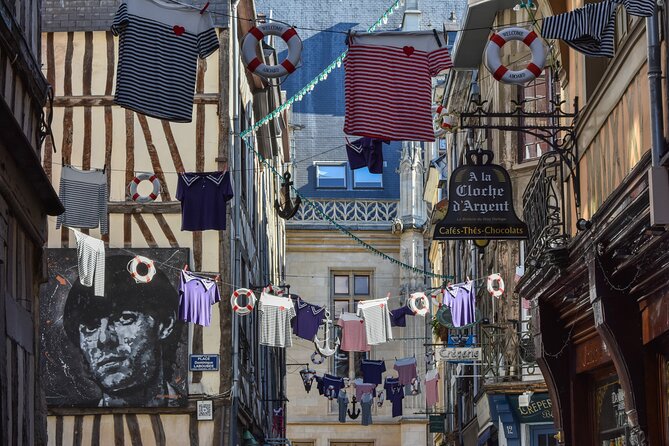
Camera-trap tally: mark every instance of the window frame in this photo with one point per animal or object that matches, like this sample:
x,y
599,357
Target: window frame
x,y
341,164
355,186
537,104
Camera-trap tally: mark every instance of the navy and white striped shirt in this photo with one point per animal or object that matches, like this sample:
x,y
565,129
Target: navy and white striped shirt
x,y
158,50
84,195
641,8
589,30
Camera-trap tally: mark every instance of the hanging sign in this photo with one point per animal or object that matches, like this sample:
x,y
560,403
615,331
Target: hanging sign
x,y
457,354
204,363
437,425
540,409
480,203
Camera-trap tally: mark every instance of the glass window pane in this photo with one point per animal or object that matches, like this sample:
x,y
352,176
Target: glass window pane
x,y
363,178
361,285
358,357
341,285
329,175
340,306
341,366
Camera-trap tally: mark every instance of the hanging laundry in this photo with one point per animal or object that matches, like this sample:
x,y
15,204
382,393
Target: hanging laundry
x,y
91,262
204,198
394,394
342,401
159,45
406,370
275,315
377,320
84,196
309,317
353,333
589,30
388,84
366,152
362,387
372,370
398,316
641,8
366,404
432,387
329,385
462,302
196,296
412,389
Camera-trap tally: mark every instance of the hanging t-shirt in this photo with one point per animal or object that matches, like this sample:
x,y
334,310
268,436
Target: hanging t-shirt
x,y
388,84
394,394
204,198
84,196
398,316
159,44
91,262
377,320
363,387
406,370
309,317
329,385
353,333
432,387
275,315
462,301
372,370
366,152
196,296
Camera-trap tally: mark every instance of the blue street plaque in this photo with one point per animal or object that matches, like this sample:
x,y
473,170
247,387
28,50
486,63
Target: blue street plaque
x,y
204,363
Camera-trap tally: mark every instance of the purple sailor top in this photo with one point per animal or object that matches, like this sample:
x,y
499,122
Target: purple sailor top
x,y
366,152
309,317
462,301
196,296
204,198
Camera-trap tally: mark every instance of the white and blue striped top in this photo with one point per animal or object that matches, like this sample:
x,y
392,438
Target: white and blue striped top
x,y
158,49
84,195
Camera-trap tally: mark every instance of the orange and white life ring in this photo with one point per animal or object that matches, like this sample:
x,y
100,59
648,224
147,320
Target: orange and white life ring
x,y
150,269
493,60
132,188
250,304
448,123
413,301
256,34
495,292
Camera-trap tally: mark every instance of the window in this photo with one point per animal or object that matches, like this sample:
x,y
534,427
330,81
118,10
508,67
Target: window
x,y
364,179
331,175
536,97
348,287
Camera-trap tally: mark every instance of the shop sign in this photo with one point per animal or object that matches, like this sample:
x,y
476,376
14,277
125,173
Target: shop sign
x,y
437,425
457,354
480,203
540,409
204,363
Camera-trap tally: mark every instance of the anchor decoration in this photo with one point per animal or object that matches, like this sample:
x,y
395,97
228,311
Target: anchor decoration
x,y
286,207
323,347
355,414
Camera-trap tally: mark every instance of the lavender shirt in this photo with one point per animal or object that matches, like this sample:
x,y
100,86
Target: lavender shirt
x,y
462,301
309,317
196,296
406,370
204,198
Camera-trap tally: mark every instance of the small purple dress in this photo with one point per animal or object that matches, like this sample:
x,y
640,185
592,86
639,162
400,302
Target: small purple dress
x,y
462,302
196,296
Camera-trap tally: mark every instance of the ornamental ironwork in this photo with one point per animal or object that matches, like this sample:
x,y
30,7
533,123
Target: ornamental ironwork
x,y
506,355
350,211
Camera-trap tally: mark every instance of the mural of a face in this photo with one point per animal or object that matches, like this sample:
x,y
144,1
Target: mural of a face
x,y
121,349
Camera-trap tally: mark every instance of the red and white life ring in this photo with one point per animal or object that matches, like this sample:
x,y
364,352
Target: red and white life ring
x,y
132,188
448,123
495,292
413,301
256,34
438,110
493,61
251,301
150,269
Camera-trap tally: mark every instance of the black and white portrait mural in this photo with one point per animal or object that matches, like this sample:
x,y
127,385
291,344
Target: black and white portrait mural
x,y
123,349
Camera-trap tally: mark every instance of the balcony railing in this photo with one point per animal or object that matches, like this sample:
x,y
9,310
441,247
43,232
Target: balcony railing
x,y
507,353
350,211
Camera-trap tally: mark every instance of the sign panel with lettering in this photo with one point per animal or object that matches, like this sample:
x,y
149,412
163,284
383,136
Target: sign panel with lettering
x,y
480,203
204,363
457,354
437,425
540,409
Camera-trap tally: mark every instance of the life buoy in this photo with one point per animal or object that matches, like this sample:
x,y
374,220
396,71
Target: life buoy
x,y
438,110
150,269
256,34
493,61
495,292
132,188
413,301
448,123
317,358
250,304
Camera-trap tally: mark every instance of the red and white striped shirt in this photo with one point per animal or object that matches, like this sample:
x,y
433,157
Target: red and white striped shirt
x,y
388,84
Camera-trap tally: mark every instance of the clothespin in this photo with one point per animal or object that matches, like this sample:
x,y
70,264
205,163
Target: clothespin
x,y
63,161
348,38
217,278
436,36
186,267
104,168
388,295
204,8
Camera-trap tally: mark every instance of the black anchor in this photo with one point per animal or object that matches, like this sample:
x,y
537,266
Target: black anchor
x,y
354,414
290,207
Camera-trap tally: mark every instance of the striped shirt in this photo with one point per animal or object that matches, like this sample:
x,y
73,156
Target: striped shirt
x,y
84,195
376,315
91,262
641,8
589,30
275,315
388,84
159,44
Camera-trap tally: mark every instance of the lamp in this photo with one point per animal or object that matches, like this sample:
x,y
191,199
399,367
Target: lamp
x,y
583,225
452,18
525,398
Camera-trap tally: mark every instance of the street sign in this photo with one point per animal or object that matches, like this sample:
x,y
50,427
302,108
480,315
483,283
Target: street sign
x,y
437,425
458,354
204,363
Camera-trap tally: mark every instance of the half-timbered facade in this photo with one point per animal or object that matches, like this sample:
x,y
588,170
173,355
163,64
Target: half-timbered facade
x,y
91,132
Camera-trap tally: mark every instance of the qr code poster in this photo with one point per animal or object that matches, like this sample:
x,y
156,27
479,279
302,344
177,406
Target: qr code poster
x,y
205,410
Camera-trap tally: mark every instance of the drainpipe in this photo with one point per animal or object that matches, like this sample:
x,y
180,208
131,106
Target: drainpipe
x,y
235,144
658,178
